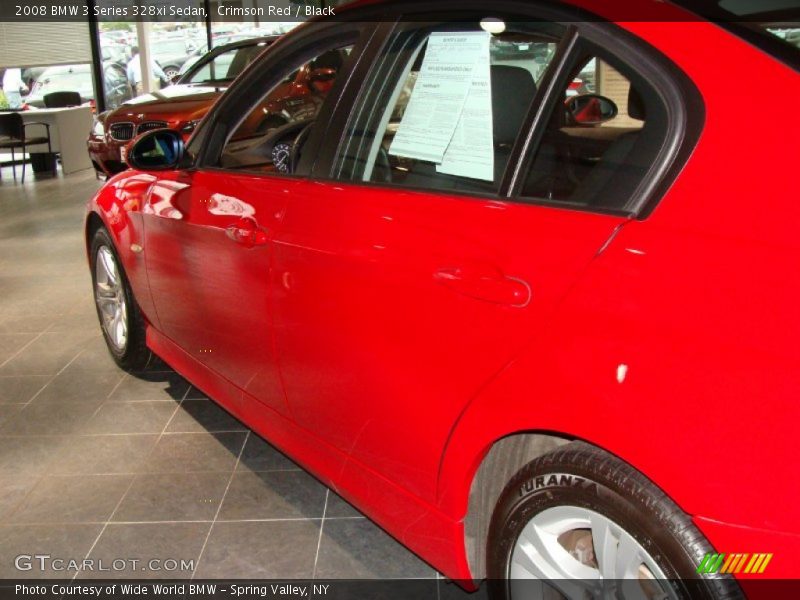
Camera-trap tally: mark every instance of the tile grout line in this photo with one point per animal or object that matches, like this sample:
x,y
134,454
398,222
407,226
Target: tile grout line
x,y
221,502
111,434
321,527
169,522
133,479
104,402
110,473
53,378
125,376
13,356
45,471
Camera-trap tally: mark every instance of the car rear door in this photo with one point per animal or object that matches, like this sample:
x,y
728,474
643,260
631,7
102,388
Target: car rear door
x,y
402,289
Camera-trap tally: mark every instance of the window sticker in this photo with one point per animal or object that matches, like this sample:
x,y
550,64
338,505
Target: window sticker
x,y
471,150
437,102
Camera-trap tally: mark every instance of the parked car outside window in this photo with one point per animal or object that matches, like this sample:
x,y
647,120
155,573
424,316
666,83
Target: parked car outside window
x,y
78,78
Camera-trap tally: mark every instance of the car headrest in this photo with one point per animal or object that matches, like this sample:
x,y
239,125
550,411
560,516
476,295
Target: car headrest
x,y
636,108
513,89
329,60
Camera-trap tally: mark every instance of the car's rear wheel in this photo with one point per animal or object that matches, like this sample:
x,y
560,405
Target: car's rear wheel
x,y
120,320
580,523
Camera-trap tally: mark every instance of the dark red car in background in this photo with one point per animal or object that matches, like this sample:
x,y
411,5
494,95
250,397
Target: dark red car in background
x,y
532,345
183,105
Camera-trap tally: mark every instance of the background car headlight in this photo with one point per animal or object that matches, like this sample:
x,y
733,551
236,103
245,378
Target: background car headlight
x,y
98,128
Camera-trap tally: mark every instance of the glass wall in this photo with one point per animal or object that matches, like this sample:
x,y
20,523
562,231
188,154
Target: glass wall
x,y
174,47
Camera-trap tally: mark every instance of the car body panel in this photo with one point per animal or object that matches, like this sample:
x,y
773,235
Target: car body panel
x,y
212,293
354,302
636,330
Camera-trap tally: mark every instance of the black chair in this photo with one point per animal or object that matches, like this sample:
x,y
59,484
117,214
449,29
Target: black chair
x,y
13,136
62,99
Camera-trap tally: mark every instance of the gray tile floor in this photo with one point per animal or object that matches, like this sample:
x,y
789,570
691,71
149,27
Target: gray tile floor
x,y
98,463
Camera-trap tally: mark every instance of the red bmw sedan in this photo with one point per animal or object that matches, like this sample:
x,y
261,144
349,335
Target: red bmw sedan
x,y
532,341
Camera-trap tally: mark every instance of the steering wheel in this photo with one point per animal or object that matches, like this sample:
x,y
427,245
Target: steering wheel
x,y
295,153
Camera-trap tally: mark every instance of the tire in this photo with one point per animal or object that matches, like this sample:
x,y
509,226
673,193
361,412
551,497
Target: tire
x,y
171,72
538,529
116,306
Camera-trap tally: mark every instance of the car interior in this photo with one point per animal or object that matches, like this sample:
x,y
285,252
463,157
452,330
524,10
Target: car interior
x,y
599,164
596,150
588,157
270,143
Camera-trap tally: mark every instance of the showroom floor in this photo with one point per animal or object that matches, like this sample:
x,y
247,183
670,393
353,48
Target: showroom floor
x,y
98,463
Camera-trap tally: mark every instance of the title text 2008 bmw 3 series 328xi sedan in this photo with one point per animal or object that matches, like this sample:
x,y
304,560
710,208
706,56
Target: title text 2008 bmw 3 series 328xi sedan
x,y
521,287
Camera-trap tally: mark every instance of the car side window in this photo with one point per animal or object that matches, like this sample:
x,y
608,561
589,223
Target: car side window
x,y
419,128
601,140
226,66
262,141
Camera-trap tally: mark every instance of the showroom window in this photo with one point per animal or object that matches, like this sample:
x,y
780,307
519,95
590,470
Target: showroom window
x,y
28,86
447,104
174,47
261,141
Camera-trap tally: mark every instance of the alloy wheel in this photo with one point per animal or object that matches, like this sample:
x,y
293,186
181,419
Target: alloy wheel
x,y
109,293
583,554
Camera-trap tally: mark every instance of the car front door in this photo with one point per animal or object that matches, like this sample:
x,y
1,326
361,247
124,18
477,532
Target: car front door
x,y
404,284
209,233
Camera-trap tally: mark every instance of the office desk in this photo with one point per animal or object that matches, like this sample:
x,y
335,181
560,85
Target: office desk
x,y
69,129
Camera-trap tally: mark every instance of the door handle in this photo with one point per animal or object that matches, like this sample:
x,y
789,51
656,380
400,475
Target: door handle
x,y
247,233
485,285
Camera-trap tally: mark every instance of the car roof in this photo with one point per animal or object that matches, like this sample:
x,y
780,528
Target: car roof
x,y
254,41
610,10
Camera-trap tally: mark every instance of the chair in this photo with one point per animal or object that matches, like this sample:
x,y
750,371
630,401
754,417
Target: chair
x,y
13,135
62,99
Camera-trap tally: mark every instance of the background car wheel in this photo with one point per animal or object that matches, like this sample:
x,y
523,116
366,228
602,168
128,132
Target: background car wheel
x,y
172,73
595,528
120,320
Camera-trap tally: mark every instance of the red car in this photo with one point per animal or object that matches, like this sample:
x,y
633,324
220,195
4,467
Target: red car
x,y
527,345
181,106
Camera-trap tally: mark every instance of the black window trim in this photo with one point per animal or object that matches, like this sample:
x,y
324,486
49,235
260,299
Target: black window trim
x,y
549,93
682,100
226,115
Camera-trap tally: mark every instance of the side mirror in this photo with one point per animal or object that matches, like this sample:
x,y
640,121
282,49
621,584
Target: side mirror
x,y
157,150
590,109
321,80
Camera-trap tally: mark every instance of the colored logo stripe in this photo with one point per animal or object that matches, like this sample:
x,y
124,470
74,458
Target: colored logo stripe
x,y
734,563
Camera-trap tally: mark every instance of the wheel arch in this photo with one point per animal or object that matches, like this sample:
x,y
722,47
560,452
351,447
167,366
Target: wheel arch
x,y
93,223
526,412
502,461
117,208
